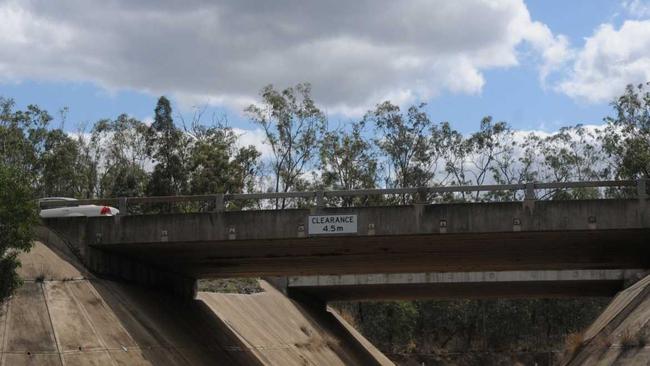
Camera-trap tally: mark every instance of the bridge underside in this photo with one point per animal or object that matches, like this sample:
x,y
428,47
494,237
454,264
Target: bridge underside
x,y
509,284
568,289
451,252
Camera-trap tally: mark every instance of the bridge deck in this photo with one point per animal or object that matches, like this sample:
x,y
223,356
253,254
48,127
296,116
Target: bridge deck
x,y
498,236
585,249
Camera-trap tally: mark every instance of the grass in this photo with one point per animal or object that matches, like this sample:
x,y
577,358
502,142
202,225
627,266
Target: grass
x,y
629,339
316,342
573,342
348,317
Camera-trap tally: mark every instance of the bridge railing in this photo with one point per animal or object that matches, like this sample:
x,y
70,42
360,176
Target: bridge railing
x,y
218,202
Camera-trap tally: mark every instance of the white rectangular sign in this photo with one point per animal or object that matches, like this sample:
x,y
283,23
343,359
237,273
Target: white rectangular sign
x,y
332,224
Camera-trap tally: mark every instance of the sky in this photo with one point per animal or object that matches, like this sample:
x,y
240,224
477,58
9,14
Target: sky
x,y
538,65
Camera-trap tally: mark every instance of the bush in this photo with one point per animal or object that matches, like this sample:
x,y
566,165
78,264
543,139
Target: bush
x,y
18,215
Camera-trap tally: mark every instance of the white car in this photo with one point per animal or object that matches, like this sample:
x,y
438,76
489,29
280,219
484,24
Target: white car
x,y
75,211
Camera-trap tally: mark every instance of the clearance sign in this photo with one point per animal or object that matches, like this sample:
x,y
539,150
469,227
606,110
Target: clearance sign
x,y
332,224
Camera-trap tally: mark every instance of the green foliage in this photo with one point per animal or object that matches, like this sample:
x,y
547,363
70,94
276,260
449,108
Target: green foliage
x,y
405,140
166,146
390,324
456,326
121,147
628,134
22,136
347,162
17,219
57,163
67,170
570,155
218,165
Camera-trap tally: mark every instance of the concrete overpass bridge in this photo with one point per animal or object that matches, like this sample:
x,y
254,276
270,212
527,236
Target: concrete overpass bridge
x,y
517,248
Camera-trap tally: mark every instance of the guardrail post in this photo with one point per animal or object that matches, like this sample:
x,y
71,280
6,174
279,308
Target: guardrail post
x,y
421,196
530,191
219,204
320,199
642,188
122,206
529,196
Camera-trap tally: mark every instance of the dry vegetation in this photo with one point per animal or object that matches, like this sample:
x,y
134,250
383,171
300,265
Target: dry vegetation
x,y
573,343
230,285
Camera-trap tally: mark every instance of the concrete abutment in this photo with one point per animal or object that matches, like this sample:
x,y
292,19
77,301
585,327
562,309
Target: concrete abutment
x,y
114,266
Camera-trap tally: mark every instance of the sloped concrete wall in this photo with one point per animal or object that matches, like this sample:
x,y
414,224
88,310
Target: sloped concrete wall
x,y
279,331
621,334
63,315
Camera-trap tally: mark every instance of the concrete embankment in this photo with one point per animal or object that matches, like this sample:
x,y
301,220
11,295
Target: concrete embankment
x,y
278,332
63,315
621,334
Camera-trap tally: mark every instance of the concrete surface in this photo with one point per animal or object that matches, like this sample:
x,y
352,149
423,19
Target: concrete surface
x,y
432,285
596,249
621,334
501,236
488,217
62,316
278,332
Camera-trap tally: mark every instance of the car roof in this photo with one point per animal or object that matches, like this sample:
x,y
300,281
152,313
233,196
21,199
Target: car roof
x,y
45,199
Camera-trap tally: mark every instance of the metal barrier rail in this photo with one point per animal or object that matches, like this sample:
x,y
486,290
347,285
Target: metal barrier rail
x,y
220,199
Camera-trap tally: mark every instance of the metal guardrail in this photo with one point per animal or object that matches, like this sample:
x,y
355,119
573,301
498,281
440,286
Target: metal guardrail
x,y
220,199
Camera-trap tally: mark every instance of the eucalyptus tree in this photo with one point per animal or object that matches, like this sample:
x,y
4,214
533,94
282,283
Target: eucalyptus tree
x,y
571,155
55,161
120,150
293,127
405,140
22,137
217,164
519,161
67,169
348,161
491,143
166,146
482,157
627,139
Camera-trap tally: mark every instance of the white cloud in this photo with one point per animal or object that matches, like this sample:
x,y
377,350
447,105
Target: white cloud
x,y
355,53
609,60
636,8
256,138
